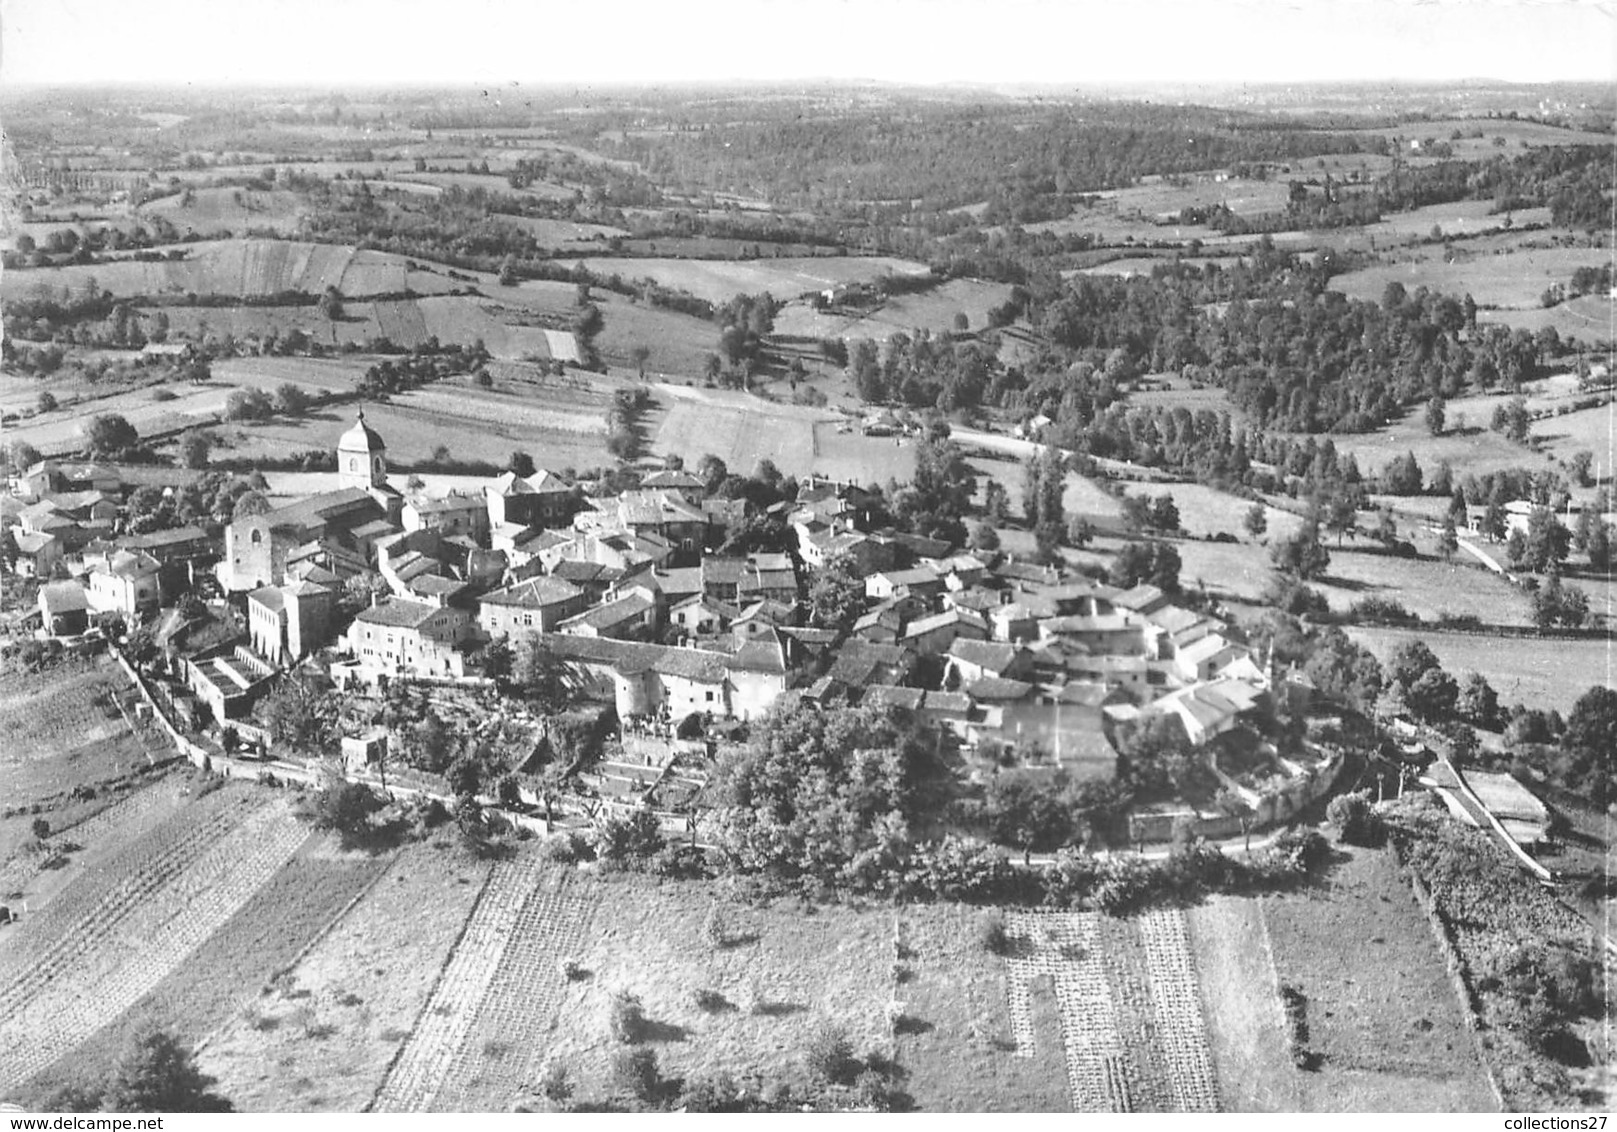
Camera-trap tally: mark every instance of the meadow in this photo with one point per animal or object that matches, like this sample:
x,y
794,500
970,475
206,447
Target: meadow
x,y
932,310
1591,319
719,281
216,211
1538,673
1513,278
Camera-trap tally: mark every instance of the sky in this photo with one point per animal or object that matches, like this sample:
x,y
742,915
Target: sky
x,y
330,42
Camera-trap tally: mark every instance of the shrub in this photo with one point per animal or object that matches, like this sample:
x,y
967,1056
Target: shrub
x,y
1355,821
993,934
829,1054
710,1001
635,1072
1295,1004
554,1083
626,1018
715,932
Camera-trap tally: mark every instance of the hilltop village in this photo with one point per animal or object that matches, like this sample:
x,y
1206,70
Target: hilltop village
x,y
640,607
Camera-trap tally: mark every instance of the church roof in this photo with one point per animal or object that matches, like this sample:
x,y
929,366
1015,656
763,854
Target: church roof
x,y
361,438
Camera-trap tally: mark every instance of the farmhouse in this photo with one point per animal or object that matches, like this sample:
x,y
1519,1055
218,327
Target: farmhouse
x,y
538,604
408,638
127,584
64,609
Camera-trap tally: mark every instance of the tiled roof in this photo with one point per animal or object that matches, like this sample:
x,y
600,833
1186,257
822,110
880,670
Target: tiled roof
x,y
270,597
535,593
994,656
398,614
889,695
993,688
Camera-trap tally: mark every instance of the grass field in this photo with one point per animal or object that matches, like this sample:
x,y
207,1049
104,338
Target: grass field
x,y
719,281
220,210
932,310
1513,279
1380,1010
1590,319
62,429
1592,429
560,421
1426,587
1206,511
1468,444
225,974
1541,674
366,980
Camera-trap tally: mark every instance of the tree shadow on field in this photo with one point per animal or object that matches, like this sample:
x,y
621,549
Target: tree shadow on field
x,y
656,1031
779,1009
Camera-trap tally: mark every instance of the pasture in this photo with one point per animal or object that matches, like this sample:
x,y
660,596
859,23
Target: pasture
x,y
932,310
719,281
1205,511
1524,670
1382,1015
1594,430
1503,279
1427,587
1468,444
1590,319
62,430
560,421
230,211
245,267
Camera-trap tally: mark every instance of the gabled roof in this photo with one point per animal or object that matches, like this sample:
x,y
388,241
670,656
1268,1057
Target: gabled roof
x,y
63,597
992,656
613,613
759,656
1204,649
889,695
998,689
32,542
535,593
398,613
674,479
270,597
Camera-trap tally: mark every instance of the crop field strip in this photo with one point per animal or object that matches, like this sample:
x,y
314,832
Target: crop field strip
x,y
505,1046
1131,1018
424,1061
1181,1028
1064,948
126,814
147,928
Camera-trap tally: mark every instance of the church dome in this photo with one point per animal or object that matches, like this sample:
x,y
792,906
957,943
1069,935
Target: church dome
x,y
361,438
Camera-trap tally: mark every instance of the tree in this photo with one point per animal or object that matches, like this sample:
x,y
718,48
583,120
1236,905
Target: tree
x,y
1257,520
1516,548
1402,476
291,398
23,455
1156,563
984,538
331,303
250,503
301,716
712,471
635,1073
541,676
1559,606
836,595
1028,812
158,1074
1043,485
46,401
520,464
195,447
109,434
1165,514
346,808
1547,542
640,355
1477,701
1301,555
1080,532
1590,738
1449,540
1599,547
1512,419
508,271
1417,676
1436,411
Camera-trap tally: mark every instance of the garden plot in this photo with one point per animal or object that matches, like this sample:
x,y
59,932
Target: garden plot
x,y
504,1050
424,1063
1131,1021
147,926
